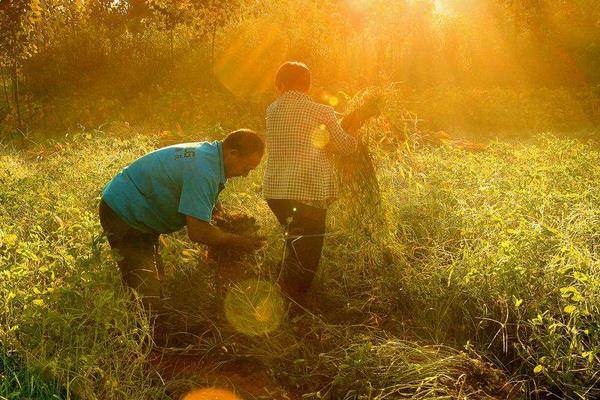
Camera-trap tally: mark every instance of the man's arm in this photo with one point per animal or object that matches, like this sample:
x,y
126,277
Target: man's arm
x,y
218,209
203,232
340,141
371,107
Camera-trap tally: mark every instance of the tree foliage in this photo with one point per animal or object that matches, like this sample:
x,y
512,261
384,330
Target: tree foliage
x,y
53,49
18,19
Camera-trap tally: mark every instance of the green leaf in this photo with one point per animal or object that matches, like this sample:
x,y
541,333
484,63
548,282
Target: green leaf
x,y
518,302
589,355
9,297
570,309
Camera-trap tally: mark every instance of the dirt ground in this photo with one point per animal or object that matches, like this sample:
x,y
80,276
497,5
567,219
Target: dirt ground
x,y
246,379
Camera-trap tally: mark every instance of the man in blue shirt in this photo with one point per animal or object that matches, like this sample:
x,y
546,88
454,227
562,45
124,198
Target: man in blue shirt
x,y
165,190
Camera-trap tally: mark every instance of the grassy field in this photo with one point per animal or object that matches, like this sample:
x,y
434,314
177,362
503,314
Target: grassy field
x,y
476,276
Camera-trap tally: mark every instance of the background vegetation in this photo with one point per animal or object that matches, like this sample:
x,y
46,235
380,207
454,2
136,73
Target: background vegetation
x,y
477,66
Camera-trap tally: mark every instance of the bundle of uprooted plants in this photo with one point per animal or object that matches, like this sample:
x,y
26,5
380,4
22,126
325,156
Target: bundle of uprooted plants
x,y
357,171
380,119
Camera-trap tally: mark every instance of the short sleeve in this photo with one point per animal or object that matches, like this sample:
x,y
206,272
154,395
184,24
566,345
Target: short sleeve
x,y
341,142
198,195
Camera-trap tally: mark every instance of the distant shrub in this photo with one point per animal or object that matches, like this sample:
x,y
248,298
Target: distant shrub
x,y
505,111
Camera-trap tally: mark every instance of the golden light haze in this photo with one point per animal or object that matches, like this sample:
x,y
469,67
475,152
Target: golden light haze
x,y
474,65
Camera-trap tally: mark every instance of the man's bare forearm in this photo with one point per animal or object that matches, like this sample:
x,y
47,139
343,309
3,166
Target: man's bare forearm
x,y
205,233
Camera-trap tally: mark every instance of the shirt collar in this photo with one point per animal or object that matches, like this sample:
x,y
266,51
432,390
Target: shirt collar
x,y
295,94
222,178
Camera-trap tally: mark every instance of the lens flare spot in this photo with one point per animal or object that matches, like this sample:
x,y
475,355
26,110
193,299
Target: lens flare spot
x,y
211,394
333,101
327,98
250,57
319,137
254,307
263,312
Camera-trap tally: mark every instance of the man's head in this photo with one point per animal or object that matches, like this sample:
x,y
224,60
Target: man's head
x,y
242,151
293,75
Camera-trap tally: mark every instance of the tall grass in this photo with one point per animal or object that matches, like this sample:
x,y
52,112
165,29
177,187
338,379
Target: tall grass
x,y
480,256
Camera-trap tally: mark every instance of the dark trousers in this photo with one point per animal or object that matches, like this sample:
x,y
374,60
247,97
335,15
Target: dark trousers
x,y
304,226
138,257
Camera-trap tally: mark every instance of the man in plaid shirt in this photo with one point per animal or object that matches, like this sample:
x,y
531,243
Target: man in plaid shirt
x,y
300,180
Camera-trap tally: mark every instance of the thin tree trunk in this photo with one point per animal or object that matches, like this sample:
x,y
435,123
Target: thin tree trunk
x,y
212,56
15,86
6,95
172,49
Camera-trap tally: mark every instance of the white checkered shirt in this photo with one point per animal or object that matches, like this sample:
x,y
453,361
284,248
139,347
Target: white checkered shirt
x,y
300,136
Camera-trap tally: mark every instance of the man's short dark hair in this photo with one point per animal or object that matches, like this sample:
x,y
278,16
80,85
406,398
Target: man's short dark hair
x,y
245,141
293,75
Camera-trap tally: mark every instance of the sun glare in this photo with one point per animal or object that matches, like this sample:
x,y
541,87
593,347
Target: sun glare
x,y
250,58
442,7
211,394
360,5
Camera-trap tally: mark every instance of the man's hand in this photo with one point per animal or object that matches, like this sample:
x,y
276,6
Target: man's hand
x,y
353,121
203,232
248,243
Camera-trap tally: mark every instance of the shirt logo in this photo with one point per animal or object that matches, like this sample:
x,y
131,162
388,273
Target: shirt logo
x,y
184,153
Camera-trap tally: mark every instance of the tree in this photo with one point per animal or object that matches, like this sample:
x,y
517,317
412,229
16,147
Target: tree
x,y
18,19
205,17
209,17
169,14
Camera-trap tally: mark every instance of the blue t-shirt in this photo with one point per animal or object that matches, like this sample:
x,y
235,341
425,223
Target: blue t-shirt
x,y
157,191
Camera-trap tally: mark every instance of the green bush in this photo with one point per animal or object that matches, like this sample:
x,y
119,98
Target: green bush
x,y
503,112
